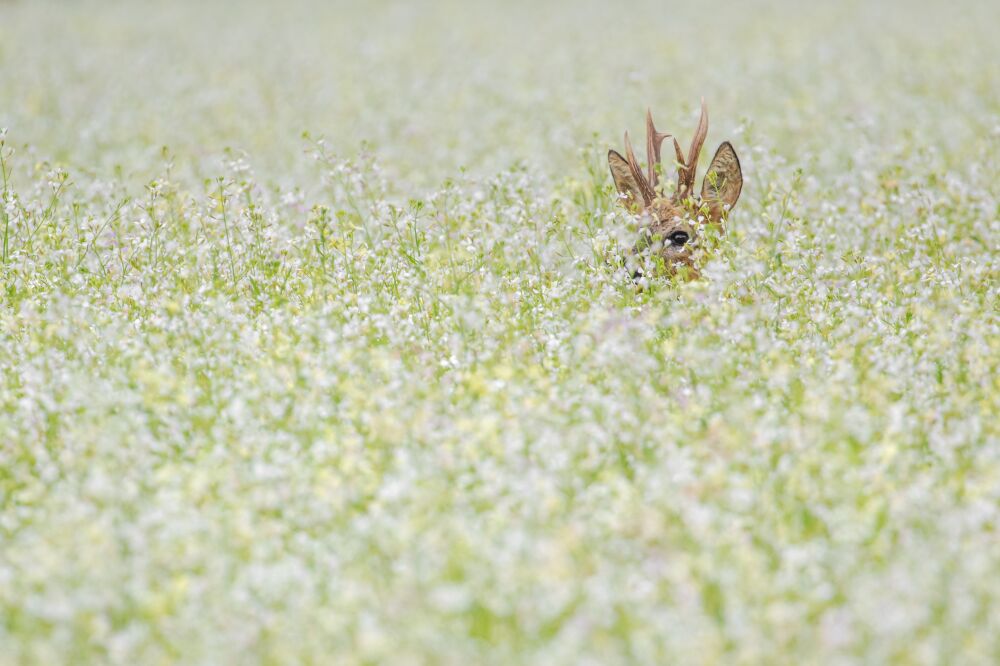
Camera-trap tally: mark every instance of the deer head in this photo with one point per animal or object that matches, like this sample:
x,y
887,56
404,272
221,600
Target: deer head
x,y
674,222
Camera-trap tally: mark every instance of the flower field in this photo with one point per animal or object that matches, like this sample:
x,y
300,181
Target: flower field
x,y
315,345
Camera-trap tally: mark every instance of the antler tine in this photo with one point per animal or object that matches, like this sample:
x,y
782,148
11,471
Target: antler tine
x,y
633,164
696,143
654,140
680,168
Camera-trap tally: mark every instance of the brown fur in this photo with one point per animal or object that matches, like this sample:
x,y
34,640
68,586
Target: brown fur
x,y
673,221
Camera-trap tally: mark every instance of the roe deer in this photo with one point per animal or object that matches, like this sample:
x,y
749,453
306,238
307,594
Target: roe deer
x,y
673,222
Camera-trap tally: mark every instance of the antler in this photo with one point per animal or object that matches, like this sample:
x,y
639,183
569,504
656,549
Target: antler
x,y
686,168
648,194
653,141
647,183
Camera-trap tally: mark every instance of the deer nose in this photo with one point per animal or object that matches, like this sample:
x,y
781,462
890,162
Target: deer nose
x,y
679,238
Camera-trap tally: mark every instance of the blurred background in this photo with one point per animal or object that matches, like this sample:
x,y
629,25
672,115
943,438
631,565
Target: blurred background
x,y
433,87
288,416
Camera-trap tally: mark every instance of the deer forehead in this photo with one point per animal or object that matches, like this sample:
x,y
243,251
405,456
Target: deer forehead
x,y
665,211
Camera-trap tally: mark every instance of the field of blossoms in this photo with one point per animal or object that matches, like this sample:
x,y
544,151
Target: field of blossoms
x,y
314,347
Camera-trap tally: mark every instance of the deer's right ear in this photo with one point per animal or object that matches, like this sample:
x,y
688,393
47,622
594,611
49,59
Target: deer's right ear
x,y
723,182
625,183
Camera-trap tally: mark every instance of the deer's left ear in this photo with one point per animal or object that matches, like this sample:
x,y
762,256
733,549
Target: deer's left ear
x,y
723,181
625,182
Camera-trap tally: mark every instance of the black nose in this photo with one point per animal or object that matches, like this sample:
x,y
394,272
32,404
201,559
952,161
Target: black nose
x,y
679,238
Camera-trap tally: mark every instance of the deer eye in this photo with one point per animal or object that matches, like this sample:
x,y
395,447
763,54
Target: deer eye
x,y
678,238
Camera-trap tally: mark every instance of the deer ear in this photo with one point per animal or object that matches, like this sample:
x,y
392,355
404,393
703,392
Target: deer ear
x,y
625,182
723,181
